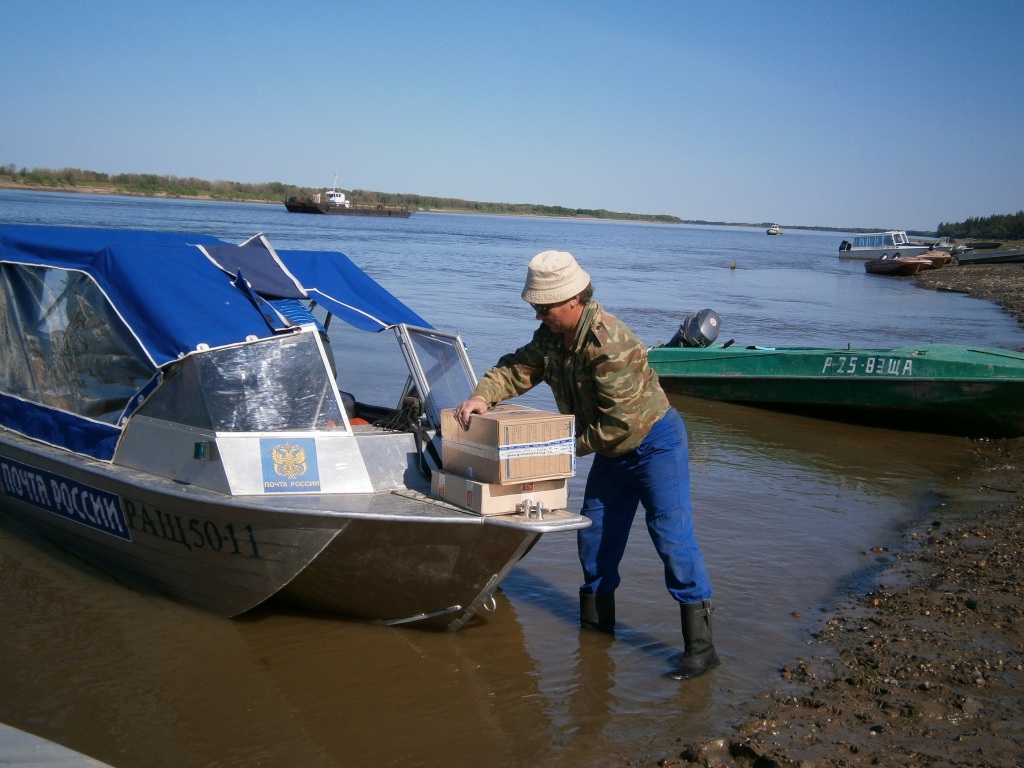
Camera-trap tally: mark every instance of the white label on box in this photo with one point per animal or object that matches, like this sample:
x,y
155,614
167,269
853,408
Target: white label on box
x,y
526,450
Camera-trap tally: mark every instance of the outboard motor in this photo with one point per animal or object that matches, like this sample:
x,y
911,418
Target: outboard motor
x,y
698,329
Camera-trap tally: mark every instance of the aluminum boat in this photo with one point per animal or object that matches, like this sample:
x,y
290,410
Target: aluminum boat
x,y
165,417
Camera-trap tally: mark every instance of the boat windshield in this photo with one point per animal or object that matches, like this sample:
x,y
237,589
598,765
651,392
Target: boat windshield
x,y
279,384
439,366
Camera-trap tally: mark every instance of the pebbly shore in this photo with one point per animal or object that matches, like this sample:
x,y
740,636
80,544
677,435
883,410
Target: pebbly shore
x,y
924,666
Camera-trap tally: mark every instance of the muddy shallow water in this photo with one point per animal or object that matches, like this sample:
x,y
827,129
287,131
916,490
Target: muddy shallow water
x,y
131,677
785,508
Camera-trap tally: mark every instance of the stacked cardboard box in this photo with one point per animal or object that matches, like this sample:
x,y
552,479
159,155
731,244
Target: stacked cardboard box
x,y
494,499
509,444
508,455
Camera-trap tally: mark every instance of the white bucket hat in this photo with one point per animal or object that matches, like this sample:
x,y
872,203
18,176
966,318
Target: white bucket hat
x,y
553,277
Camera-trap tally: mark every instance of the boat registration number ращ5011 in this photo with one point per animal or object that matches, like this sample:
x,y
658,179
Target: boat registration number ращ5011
x,y
867,366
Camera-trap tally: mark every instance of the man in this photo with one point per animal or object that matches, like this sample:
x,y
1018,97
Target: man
x,y
597,370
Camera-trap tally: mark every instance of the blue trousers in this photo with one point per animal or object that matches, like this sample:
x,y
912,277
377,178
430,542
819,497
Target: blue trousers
x,y
657,475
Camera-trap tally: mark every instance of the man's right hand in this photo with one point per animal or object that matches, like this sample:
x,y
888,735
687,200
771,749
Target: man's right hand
x,y
464,412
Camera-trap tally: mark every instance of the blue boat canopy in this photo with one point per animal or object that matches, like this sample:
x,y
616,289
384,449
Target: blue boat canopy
x,y
177,292
91,319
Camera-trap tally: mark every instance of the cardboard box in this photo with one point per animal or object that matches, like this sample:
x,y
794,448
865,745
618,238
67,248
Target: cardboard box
x,y
493,499
509,444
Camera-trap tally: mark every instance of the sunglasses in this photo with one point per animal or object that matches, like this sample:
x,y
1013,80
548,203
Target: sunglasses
x,y
543,309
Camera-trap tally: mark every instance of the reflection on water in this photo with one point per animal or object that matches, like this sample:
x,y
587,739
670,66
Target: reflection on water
x,y
784,506
138,681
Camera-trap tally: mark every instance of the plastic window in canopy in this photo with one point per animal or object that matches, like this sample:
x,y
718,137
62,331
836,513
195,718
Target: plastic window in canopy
x,y
63,345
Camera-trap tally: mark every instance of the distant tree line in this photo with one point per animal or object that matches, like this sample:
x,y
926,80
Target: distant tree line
x,y
521,209
273,191
999,227
149,184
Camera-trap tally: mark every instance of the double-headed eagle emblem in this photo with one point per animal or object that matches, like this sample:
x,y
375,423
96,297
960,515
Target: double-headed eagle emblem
x,y
289,460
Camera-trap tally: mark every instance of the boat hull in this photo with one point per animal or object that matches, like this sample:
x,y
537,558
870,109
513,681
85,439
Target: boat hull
x,y
937,258
425,573
897,267
379,557
1003,256
932,388
891,252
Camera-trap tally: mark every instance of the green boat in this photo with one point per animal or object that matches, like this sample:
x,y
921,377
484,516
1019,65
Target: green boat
x,y
943,388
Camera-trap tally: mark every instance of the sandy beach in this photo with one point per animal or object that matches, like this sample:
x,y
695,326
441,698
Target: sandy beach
x,y
924,666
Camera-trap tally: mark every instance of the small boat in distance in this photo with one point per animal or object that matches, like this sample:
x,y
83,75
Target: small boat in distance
x,y
880,245
941,388
774,229
334,201
943,244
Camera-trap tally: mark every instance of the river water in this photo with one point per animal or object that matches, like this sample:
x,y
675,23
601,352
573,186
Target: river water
x,y
787,510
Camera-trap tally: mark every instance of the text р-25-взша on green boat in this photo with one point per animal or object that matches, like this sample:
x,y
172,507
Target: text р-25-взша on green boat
x,y
944,388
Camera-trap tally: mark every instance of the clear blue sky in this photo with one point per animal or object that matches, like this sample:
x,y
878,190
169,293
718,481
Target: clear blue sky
x,y
888,114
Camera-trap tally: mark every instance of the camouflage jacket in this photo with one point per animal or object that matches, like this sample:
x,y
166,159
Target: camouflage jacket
x,y
603,379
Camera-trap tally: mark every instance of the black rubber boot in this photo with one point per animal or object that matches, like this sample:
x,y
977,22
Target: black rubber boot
x,y
597,612
698,649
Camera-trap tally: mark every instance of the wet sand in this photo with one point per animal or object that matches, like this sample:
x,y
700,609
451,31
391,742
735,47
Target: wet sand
x,y
922,663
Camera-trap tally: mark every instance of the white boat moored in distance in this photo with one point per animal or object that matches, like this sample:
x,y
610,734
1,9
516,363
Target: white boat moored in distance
x,y
880,245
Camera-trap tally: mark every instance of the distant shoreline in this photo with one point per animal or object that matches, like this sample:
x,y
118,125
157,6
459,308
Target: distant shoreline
x,y
79,189
90,189
94,190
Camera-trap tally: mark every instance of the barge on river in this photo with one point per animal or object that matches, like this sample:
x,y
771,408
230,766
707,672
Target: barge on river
x,y
335,202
